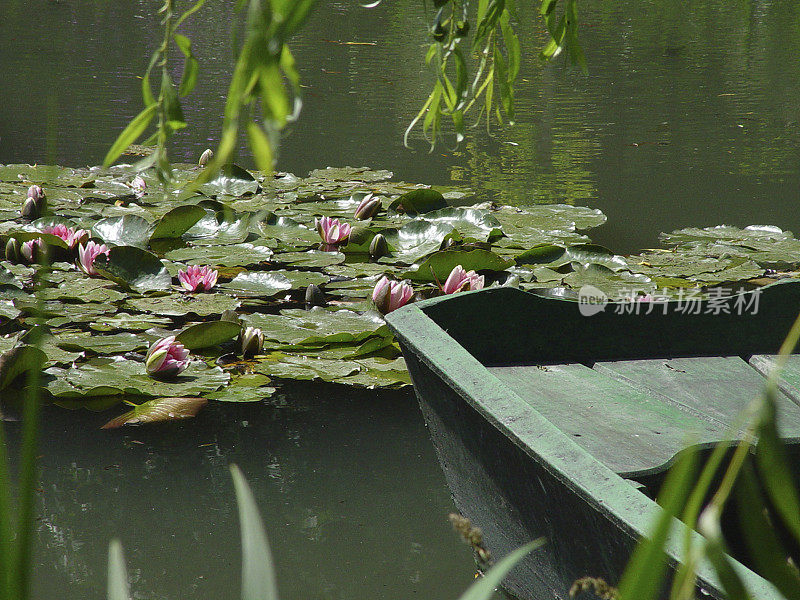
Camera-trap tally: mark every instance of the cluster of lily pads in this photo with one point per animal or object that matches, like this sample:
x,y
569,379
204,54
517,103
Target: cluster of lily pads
x,y
156,292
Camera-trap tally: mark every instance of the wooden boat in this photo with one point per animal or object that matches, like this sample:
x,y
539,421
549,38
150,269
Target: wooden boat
x,y
550,423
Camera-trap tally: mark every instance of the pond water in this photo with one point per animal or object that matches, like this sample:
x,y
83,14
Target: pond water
x,y
350,491
688,117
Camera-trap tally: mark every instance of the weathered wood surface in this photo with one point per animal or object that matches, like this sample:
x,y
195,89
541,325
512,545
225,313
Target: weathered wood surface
x,y
789,382
626,428
636,416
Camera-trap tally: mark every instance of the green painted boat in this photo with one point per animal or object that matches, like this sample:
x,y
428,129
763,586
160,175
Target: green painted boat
x,y
549,421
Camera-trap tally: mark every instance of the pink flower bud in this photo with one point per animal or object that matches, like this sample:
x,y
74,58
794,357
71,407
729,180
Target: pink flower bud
x,y
391,295
331,231
459,280
166,358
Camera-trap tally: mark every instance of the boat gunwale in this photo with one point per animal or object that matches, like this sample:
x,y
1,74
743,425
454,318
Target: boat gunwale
x,y
595,483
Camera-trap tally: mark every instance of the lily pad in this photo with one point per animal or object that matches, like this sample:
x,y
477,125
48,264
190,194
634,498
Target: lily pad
x,y
234,255
179,304
318,326
232,181
113,343
419,201
258,283
134,269
108,376
414,240
129,230
250,387
291,366
439,265
211,333
177,221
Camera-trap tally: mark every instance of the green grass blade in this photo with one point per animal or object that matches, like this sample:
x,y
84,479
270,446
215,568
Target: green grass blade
x,y
759,535
258,574
643,576
130,134
6,544
484,587
117,573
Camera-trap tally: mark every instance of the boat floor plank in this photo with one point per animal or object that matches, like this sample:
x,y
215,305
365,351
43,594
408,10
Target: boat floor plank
x,y
627,428
715,388
789,382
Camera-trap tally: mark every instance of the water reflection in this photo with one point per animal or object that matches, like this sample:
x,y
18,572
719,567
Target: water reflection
x,y
350,491
686,118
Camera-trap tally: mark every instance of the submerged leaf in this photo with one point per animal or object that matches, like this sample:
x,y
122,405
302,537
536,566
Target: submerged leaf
x,y
159,410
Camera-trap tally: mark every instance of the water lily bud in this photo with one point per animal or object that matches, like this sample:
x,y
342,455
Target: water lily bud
x,y
166,358
33,251
391,295
205,157
36,193
314,296
379,246
367,208
139,186
12,251
251,341
30,209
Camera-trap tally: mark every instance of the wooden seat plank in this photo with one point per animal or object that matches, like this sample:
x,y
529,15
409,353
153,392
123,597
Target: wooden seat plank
x,y
630,430
716,388
789,382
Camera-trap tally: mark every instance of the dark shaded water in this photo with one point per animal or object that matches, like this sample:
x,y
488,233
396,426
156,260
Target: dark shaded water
x,y
350,492
689,117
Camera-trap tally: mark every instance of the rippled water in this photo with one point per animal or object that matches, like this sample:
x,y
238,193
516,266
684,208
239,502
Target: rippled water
x,y
688,117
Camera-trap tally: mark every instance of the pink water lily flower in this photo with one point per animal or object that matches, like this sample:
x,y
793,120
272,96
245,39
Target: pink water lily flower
x,y
166,358
391,295
331,231
197,279
459,280
71,236
87,255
